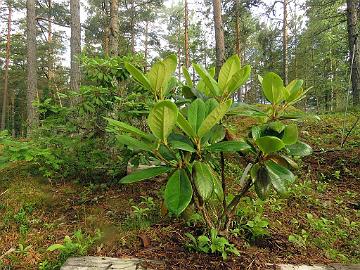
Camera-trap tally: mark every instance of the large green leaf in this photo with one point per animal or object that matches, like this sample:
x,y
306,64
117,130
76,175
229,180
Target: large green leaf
x,y
217,134
144,174
273,87
178,192
231,67
208,80
170,63
134,143
299,149
277,126
238,79
196,113
290,134
261,179
210,105
269,144
138,75
280,176
203,179
214,117
187,77
183,146
156,77
218,190
292,90
229,146
185,125
127,128
162,119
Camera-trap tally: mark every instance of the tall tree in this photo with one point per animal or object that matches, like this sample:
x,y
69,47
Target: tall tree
x,y
219,35
285,41
114,28
353,11
186,28
6,73
75,45
32,116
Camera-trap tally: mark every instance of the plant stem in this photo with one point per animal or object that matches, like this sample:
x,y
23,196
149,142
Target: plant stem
x,y
230,210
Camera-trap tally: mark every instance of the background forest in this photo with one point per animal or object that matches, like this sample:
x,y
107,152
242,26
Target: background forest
x,y
244,114
307,39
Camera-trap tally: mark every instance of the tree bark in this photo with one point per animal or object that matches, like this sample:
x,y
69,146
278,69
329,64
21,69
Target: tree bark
x,y
237,28
114,28
285,42
353,10
32,116
132,26
186,34
5,106
219,35
75,45
51,51
146,45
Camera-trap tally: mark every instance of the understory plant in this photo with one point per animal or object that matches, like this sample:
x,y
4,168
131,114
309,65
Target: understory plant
x,y
188,140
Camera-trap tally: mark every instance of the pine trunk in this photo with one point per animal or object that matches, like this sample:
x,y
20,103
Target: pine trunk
x,y
114,28
219,35
353,7
32,116
186,27
237,28
146,45
285,42
4,112
75,45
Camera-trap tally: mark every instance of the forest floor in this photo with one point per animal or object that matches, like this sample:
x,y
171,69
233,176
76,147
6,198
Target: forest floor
x,y
320,214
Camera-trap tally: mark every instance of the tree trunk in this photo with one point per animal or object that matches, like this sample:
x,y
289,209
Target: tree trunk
x,y
132,26
353,7
186,34
75,45
219,35
51,51
285,42
32,116
237,28
146,45
6,73
114,28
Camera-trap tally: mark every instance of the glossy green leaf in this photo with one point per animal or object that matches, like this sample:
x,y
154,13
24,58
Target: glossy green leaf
x,y
127,128
256,132
214,117
228,146
280,176
290,134
162,119
144,174
269,144
299,149
170,63
156,76
218,190
292,90
277,126
196,113
203,179
208,80
178,192
133,143
273,87
185,126
229,68
217,134
210,105
138,75
238,79
187,76
183,146
261,179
